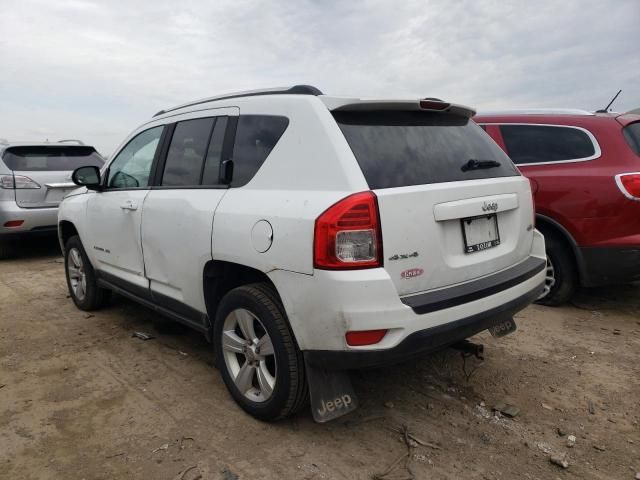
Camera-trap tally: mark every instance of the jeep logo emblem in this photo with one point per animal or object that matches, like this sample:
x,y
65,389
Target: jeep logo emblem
x,y
336,404
490,207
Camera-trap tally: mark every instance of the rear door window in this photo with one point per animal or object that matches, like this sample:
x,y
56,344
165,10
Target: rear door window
x,y
187,151
545,143
632,135
51,158
256,135
211,172
401,148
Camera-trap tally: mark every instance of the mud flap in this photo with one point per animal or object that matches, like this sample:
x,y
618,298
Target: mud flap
x,y
503,328
331,393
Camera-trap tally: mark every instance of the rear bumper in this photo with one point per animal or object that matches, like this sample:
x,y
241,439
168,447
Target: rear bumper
x,y
610,265
423,341
324,306
35,220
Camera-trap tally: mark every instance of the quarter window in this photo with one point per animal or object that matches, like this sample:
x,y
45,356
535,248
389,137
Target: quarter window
x,y
632,135
185,158
132,166
545,143
256,135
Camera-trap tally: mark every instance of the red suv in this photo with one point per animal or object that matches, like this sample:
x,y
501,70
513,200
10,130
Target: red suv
x,y
584,170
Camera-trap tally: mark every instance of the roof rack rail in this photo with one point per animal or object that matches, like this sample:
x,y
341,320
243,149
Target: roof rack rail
x,y
538,111
71,140
294,90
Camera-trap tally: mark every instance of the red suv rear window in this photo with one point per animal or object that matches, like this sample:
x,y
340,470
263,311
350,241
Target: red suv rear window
x,y
546,143
632,136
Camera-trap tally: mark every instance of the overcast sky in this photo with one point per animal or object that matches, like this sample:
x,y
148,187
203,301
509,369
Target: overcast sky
x,y
96,69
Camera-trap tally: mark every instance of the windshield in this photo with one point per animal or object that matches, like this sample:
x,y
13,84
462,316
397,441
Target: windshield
x,y
50,158
401,148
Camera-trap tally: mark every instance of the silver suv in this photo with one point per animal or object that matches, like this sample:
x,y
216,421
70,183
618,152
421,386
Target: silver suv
x,y
34,178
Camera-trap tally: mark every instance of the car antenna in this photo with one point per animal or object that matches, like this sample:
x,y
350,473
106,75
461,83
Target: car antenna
x,y
606,109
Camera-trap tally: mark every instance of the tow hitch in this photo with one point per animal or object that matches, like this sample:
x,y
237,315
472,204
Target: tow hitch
x,y
468,349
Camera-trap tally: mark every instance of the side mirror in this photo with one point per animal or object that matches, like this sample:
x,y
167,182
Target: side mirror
x,y
87,177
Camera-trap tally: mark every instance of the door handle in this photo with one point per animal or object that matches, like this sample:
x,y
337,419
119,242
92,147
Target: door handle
x,y
129,205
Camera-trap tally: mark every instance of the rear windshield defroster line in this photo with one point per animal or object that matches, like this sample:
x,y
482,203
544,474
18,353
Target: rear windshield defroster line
x,y
402,148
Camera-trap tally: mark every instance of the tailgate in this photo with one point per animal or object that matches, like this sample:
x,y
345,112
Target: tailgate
x,y
428,238
53,187
453,207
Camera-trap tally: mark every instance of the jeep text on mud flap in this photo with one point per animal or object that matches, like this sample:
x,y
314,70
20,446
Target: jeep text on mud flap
x,y
306,235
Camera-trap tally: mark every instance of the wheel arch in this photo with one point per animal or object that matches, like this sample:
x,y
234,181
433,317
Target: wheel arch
x,y
66,230
220,277
548,226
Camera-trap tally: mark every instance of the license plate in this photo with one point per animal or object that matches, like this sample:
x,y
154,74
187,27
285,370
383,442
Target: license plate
x,y
502,329
480,233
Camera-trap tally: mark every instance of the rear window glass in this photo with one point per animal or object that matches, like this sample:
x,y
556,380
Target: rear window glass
x,y
211,172
256,135
54,158
397,149
542,143
632,135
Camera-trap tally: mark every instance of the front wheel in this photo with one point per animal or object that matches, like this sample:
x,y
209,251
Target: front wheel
x,y
256,352
81,278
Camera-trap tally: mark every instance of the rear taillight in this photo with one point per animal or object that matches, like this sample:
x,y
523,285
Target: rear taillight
x,y
6,181
629,185
347,234
17,182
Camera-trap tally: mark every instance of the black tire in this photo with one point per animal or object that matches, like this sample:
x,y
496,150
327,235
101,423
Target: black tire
x,y
94,296
290,392
4,250
565,272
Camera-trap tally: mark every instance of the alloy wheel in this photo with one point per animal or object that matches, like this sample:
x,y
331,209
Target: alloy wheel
x,y
248,355
549,279
77,275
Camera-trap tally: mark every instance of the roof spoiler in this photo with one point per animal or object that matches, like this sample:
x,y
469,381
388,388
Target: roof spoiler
x,y
425,104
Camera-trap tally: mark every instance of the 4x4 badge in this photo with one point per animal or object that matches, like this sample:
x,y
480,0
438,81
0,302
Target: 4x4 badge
x,y
402,256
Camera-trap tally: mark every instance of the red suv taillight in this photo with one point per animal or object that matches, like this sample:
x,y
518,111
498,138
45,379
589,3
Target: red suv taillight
x,y
629,185
347,235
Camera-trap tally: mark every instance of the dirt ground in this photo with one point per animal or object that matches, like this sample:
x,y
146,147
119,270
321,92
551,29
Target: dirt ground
x,y
81,399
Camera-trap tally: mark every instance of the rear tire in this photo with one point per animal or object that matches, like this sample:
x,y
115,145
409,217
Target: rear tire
x,y
257,354
81,278
562,276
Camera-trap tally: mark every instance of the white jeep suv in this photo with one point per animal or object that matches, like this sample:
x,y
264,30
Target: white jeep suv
x,y
306,235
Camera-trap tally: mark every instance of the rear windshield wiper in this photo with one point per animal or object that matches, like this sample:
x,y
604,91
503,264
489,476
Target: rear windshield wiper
x,y
474,164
